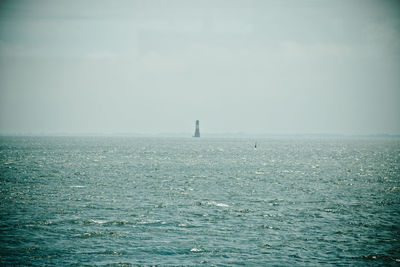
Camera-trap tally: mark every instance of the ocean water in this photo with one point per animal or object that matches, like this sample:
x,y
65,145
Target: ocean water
x,y
123,201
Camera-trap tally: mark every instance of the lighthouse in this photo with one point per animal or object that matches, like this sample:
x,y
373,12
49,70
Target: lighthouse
x,y
197,132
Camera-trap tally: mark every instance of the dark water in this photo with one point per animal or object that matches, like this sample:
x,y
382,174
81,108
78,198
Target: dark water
x,y
186,201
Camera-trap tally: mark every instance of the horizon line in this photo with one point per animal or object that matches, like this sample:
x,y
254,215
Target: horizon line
x,y
211,134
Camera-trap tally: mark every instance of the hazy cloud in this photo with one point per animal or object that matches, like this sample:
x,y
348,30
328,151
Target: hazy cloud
x,y
242,66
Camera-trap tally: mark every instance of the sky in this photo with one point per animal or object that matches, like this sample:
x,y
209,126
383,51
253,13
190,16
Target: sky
x,y
251,66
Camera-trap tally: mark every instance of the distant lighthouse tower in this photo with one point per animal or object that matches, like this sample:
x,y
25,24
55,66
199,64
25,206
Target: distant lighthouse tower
x,y
197,132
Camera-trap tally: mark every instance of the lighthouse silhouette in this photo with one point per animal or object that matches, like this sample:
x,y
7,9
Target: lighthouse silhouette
x,y
197,132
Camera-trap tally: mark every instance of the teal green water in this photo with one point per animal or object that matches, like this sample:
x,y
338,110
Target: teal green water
x,y
187,201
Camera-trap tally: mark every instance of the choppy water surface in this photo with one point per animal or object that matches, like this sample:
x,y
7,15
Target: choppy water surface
x,y
186,201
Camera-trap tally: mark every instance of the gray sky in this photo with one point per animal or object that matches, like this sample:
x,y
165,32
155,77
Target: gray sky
x,y
238,66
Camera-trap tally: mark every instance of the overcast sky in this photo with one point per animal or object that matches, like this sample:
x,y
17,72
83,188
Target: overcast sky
x,y
147,66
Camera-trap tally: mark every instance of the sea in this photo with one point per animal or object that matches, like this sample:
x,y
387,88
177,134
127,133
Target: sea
x,y
154,201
